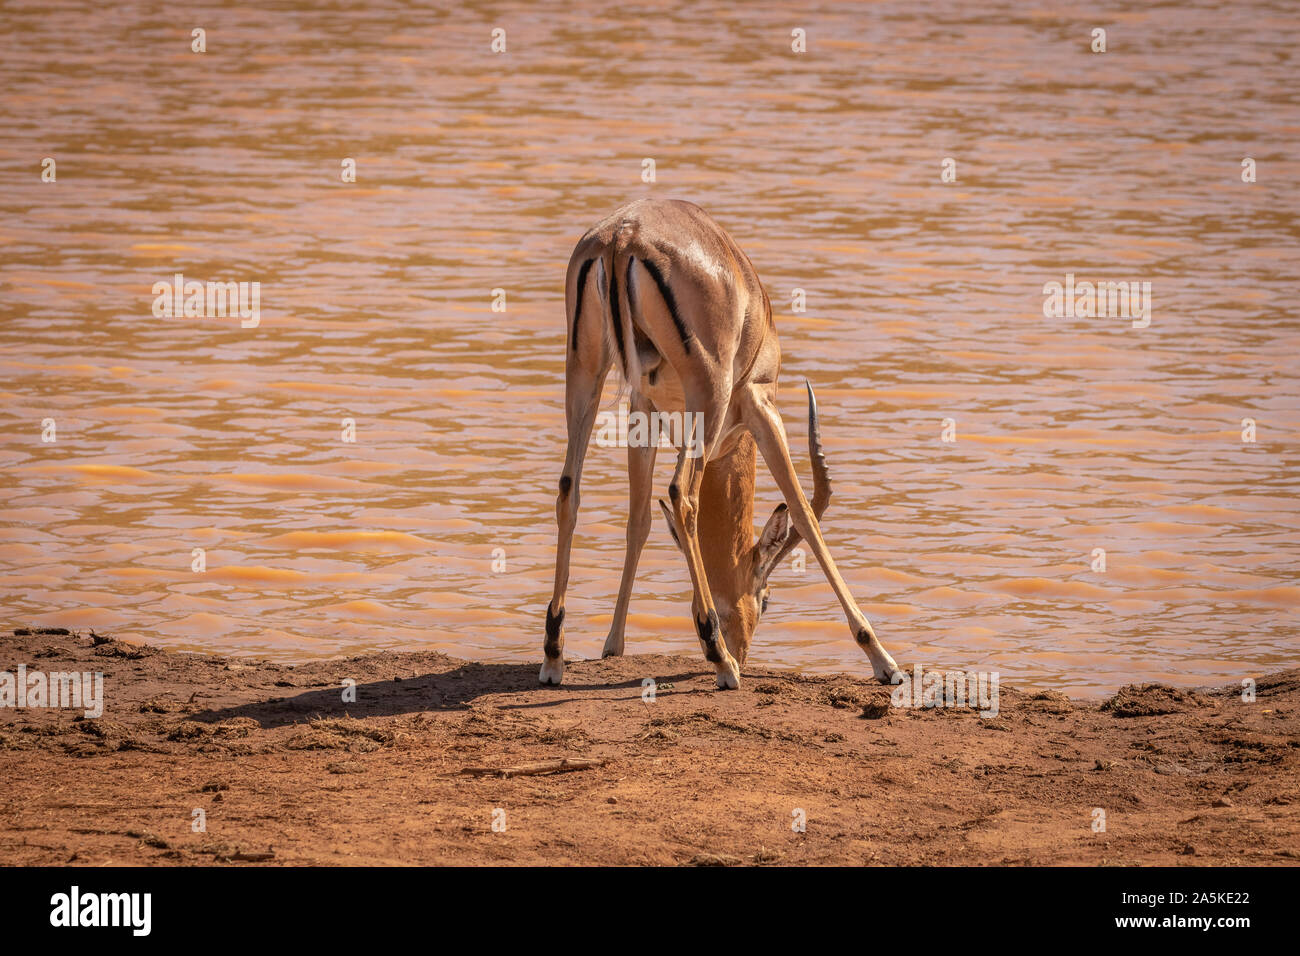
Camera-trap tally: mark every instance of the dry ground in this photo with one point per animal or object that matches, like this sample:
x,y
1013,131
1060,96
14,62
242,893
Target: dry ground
x,y
286,773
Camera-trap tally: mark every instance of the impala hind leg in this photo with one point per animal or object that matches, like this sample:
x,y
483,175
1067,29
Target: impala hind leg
x,y
640,480
582,397
764,422
684,493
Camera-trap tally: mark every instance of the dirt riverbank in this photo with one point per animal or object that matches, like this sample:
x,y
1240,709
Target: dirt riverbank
x,y
285,772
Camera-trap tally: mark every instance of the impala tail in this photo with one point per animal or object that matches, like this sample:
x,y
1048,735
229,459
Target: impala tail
x,y
620,278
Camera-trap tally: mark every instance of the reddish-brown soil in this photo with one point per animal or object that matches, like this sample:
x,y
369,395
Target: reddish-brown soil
x,y
286,773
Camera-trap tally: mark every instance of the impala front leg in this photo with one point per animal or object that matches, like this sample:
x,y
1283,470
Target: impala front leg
x,y
764,422
684,493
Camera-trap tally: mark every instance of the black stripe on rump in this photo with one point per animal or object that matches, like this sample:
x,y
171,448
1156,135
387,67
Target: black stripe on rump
x,y
671,301
618,319
577,309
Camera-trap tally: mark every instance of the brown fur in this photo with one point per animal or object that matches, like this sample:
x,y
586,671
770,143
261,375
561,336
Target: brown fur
x,y
679,310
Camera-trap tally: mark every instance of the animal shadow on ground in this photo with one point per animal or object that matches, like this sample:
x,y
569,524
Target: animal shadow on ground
x,y
452,690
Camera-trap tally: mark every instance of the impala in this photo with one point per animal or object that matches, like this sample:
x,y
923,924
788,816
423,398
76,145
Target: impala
x,y
660,291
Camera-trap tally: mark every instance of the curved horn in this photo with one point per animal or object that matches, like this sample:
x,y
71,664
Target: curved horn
x,y
821,481
821,476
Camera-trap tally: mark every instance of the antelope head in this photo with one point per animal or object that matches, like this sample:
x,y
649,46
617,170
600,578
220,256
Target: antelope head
x,y
736,565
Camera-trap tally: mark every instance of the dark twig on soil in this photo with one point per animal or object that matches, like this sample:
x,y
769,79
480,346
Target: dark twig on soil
x,y
531,769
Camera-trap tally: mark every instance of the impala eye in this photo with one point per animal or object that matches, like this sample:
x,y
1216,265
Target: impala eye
x,y
764,610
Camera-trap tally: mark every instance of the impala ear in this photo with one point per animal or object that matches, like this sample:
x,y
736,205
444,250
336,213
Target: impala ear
x,y
772,540
672,524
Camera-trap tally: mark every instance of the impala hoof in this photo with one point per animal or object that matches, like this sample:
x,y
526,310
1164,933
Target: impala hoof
x,y
552,671
612,650
728,676
883,666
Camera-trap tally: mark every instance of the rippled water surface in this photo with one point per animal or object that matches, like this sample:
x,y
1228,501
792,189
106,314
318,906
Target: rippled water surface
x,y
478,171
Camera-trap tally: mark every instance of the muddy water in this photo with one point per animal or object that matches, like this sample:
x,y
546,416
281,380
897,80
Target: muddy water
x,y
478,171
